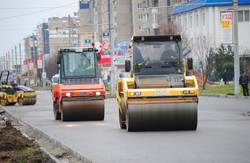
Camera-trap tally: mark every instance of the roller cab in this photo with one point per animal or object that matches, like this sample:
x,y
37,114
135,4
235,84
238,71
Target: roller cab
x,y
80,93
157,94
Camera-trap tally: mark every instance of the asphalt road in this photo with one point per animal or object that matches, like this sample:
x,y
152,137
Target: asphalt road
x,y
223,134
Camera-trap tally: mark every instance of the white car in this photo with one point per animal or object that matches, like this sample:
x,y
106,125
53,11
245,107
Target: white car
x,y
54,80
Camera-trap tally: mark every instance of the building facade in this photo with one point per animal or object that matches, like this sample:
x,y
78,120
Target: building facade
x,y
203,19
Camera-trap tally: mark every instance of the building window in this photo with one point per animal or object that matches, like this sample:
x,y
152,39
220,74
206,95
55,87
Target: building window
x,y
191,21
145,18
185,22
240,16
168,2
155,3
243,15
140,16
140,28
169,19
197,20
139,5
247,15
204,19
155,20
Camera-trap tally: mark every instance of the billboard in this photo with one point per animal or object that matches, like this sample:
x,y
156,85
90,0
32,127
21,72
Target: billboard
x,y
226,27
121,52
105,58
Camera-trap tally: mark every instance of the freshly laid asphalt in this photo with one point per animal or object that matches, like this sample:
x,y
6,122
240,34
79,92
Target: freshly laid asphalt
x,y
222,135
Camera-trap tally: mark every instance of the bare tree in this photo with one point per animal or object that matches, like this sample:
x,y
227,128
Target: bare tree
x,y
51,67
173,29
203,49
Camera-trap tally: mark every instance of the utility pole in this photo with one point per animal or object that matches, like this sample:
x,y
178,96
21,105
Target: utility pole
x,y
16,61
12,63
20,63
112,77
236,50
9,60
34,59
3,62
6,59
69,30
44,80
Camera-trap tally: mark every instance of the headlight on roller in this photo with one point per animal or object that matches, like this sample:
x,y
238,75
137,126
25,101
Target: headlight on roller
x,y
68,94
98,93
188,92
134,93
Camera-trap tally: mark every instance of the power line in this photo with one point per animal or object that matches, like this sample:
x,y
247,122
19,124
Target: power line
x,y
25,8
35,12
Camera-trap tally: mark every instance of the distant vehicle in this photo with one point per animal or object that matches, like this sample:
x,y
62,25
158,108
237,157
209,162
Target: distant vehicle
x,y
54,80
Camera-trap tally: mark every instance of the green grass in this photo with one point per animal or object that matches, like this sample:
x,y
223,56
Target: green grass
x,y
221,89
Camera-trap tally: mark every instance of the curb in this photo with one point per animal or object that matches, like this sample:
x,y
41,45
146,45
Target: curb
x,y
52,139
226,96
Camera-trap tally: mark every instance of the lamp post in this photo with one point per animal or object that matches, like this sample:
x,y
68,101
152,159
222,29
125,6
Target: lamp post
x,y
236,50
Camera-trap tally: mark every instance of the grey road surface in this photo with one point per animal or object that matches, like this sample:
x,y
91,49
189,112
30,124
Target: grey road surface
x,y
223,134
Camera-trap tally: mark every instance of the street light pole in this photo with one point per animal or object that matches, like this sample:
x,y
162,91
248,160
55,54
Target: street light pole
x,y
236,50
34,59
20,62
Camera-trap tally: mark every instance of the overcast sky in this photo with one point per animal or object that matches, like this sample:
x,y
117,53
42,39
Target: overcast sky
x,y
19,18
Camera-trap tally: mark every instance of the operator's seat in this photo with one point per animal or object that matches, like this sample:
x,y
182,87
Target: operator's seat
x,y
137,56
167,54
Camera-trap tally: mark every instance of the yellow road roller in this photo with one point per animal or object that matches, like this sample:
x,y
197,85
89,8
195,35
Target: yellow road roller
x,y
11,93
157,94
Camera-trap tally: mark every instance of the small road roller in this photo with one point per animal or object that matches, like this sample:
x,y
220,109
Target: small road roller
x,y
11,93
80,93
157,94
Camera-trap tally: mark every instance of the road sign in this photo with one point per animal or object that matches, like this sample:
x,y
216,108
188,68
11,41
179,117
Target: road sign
x,y
87,42
44,75
39,61
31,63
105,35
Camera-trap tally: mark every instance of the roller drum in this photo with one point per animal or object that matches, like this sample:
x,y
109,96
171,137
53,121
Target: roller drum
x,y
163,116
82,110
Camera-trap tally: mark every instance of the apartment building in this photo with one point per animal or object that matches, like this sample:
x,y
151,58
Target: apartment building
x,y
63,32
202,19
157,15
42,33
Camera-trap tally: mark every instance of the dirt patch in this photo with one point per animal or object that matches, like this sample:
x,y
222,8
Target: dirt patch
x,y
16,135
14,147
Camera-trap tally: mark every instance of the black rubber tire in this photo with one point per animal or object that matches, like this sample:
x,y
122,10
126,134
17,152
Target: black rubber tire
x,y
122,120
20,101
57,115
4,102
63,116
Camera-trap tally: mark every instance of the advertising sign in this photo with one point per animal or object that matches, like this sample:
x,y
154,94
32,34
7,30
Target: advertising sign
x,y
39,61
105,58
18,69
14,73
31,63
25,66
84,4
106,47
226,27
122,52
31,73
